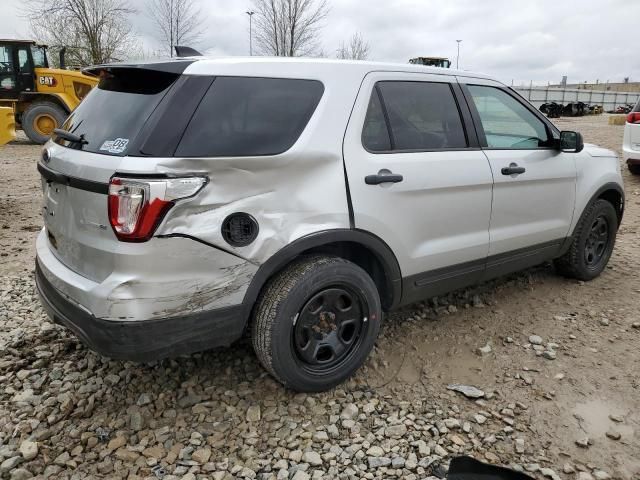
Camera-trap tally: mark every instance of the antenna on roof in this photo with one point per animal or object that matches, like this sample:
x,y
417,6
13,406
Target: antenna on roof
x,y
186,51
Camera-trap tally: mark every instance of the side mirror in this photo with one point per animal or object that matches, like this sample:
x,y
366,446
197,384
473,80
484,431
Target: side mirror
x,y
571,142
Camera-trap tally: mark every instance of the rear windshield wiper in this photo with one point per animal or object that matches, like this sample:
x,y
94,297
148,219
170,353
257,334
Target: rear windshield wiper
x,y
72,137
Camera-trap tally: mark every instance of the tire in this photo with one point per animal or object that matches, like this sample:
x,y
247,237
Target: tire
x,y
634,168
40,118
316,322
592,243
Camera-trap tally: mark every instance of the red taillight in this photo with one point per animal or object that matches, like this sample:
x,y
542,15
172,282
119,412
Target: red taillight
x,y
136,207
633,117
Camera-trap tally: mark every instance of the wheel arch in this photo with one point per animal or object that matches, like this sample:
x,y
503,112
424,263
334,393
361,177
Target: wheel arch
x,y
361,247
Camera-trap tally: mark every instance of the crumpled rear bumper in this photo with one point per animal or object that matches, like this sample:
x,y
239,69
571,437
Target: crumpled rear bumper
x,y
145,340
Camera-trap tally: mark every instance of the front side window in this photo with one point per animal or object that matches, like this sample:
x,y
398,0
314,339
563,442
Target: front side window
x,y
250,116
507,123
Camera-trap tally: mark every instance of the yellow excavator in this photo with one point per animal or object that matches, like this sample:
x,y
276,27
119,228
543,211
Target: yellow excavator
x,y
33,96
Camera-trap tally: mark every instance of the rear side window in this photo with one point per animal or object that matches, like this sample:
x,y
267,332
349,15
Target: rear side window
x,y
420,115
112,114
244,116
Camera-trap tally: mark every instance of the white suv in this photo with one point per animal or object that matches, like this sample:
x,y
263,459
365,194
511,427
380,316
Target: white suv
x,y
631,142
188,202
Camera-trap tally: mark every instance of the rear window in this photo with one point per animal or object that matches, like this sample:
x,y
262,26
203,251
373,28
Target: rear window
x,y
244,116
637,107
113,113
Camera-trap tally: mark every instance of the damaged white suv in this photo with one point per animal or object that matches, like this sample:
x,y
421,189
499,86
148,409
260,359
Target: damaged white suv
x,y
190,201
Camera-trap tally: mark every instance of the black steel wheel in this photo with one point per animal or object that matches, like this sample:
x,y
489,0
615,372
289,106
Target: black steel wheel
x,y
329,327
597,241
592,243
316,322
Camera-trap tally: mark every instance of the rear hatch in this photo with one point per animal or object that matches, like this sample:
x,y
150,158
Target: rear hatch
x,y
76,175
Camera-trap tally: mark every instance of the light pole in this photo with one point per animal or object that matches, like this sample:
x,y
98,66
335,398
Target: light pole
x,y
250,13
458,57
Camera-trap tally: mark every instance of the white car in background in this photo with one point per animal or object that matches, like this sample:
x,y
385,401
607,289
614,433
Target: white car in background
x,y
631,142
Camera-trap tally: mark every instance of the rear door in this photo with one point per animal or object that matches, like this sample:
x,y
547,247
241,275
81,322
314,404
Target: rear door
x,y
418,180
534,182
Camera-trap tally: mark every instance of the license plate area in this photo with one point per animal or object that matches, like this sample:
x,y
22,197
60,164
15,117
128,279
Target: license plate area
x,y
54,200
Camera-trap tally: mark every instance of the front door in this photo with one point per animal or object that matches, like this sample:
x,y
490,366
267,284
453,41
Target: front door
x,y
417,179
534,182
24,69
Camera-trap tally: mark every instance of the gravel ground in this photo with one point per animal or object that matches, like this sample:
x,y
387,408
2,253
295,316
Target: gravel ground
x,y
556,360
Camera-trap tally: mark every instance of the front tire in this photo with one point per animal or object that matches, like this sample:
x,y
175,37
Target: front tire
x,y
634,168
39,120
316,323
592,243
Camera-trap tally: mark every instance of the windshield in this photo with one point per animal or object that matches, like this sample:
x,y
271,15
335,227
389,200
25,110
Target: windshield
x,y
113,113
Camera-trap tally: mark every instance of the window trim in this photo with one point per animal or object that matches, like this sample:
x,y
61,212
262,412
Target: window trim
x,y
465,121
552,130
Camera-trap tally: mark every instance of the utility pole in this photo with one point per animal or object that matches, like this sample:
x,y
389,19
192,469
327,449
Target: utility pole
x,y
250,13
458,57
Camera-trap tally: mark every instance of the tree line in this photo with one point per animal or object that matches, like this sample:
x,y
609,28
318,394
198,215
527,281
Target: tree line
x,y
100,31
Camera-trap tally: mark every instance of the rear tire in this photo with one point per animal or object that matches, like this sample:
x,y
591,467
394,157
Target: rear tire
x,y
634,168
316,323
40,118
592,243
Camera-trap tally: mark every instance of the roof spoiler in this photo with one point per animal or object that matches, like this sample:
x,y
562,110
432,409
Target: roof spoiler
x,y
182,51
167,66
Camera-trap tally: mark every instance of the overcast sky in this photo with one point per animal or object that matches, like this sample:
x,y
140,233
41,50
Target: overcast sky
x,y
520,40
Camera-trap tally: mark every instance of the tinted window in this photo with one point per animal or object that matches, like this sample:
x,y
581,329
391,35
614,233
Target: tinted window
x,y
507,123
375,135
113,113
242,116
422,116
637,107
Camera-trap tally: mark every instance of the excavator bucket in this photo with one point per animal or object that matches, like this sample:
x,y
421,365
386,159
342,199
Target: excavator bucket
x,y
7,125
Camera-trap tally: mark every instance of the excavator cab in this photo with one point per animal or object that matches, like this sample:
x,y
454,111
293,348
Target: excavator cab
x,y
40,97
18,61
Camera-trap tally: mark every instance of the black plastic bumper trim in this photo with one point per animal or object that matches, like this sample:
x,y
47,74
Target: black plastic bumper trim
x,y
79,183
147,340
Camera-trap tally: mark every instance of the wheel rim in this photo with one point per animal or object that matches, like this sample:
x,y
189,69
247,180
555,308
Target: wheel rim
x,y
44,124
597,241
329,329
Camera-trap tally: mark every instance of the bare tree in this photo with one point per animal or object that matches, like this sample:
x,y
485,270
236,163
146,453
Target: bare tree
x,y
178,22
289,28
94,31
355,49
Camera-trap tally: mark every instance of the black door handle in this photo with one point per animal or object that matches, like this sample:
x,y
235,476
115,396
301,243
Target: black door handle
x,y
513,169
382,178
